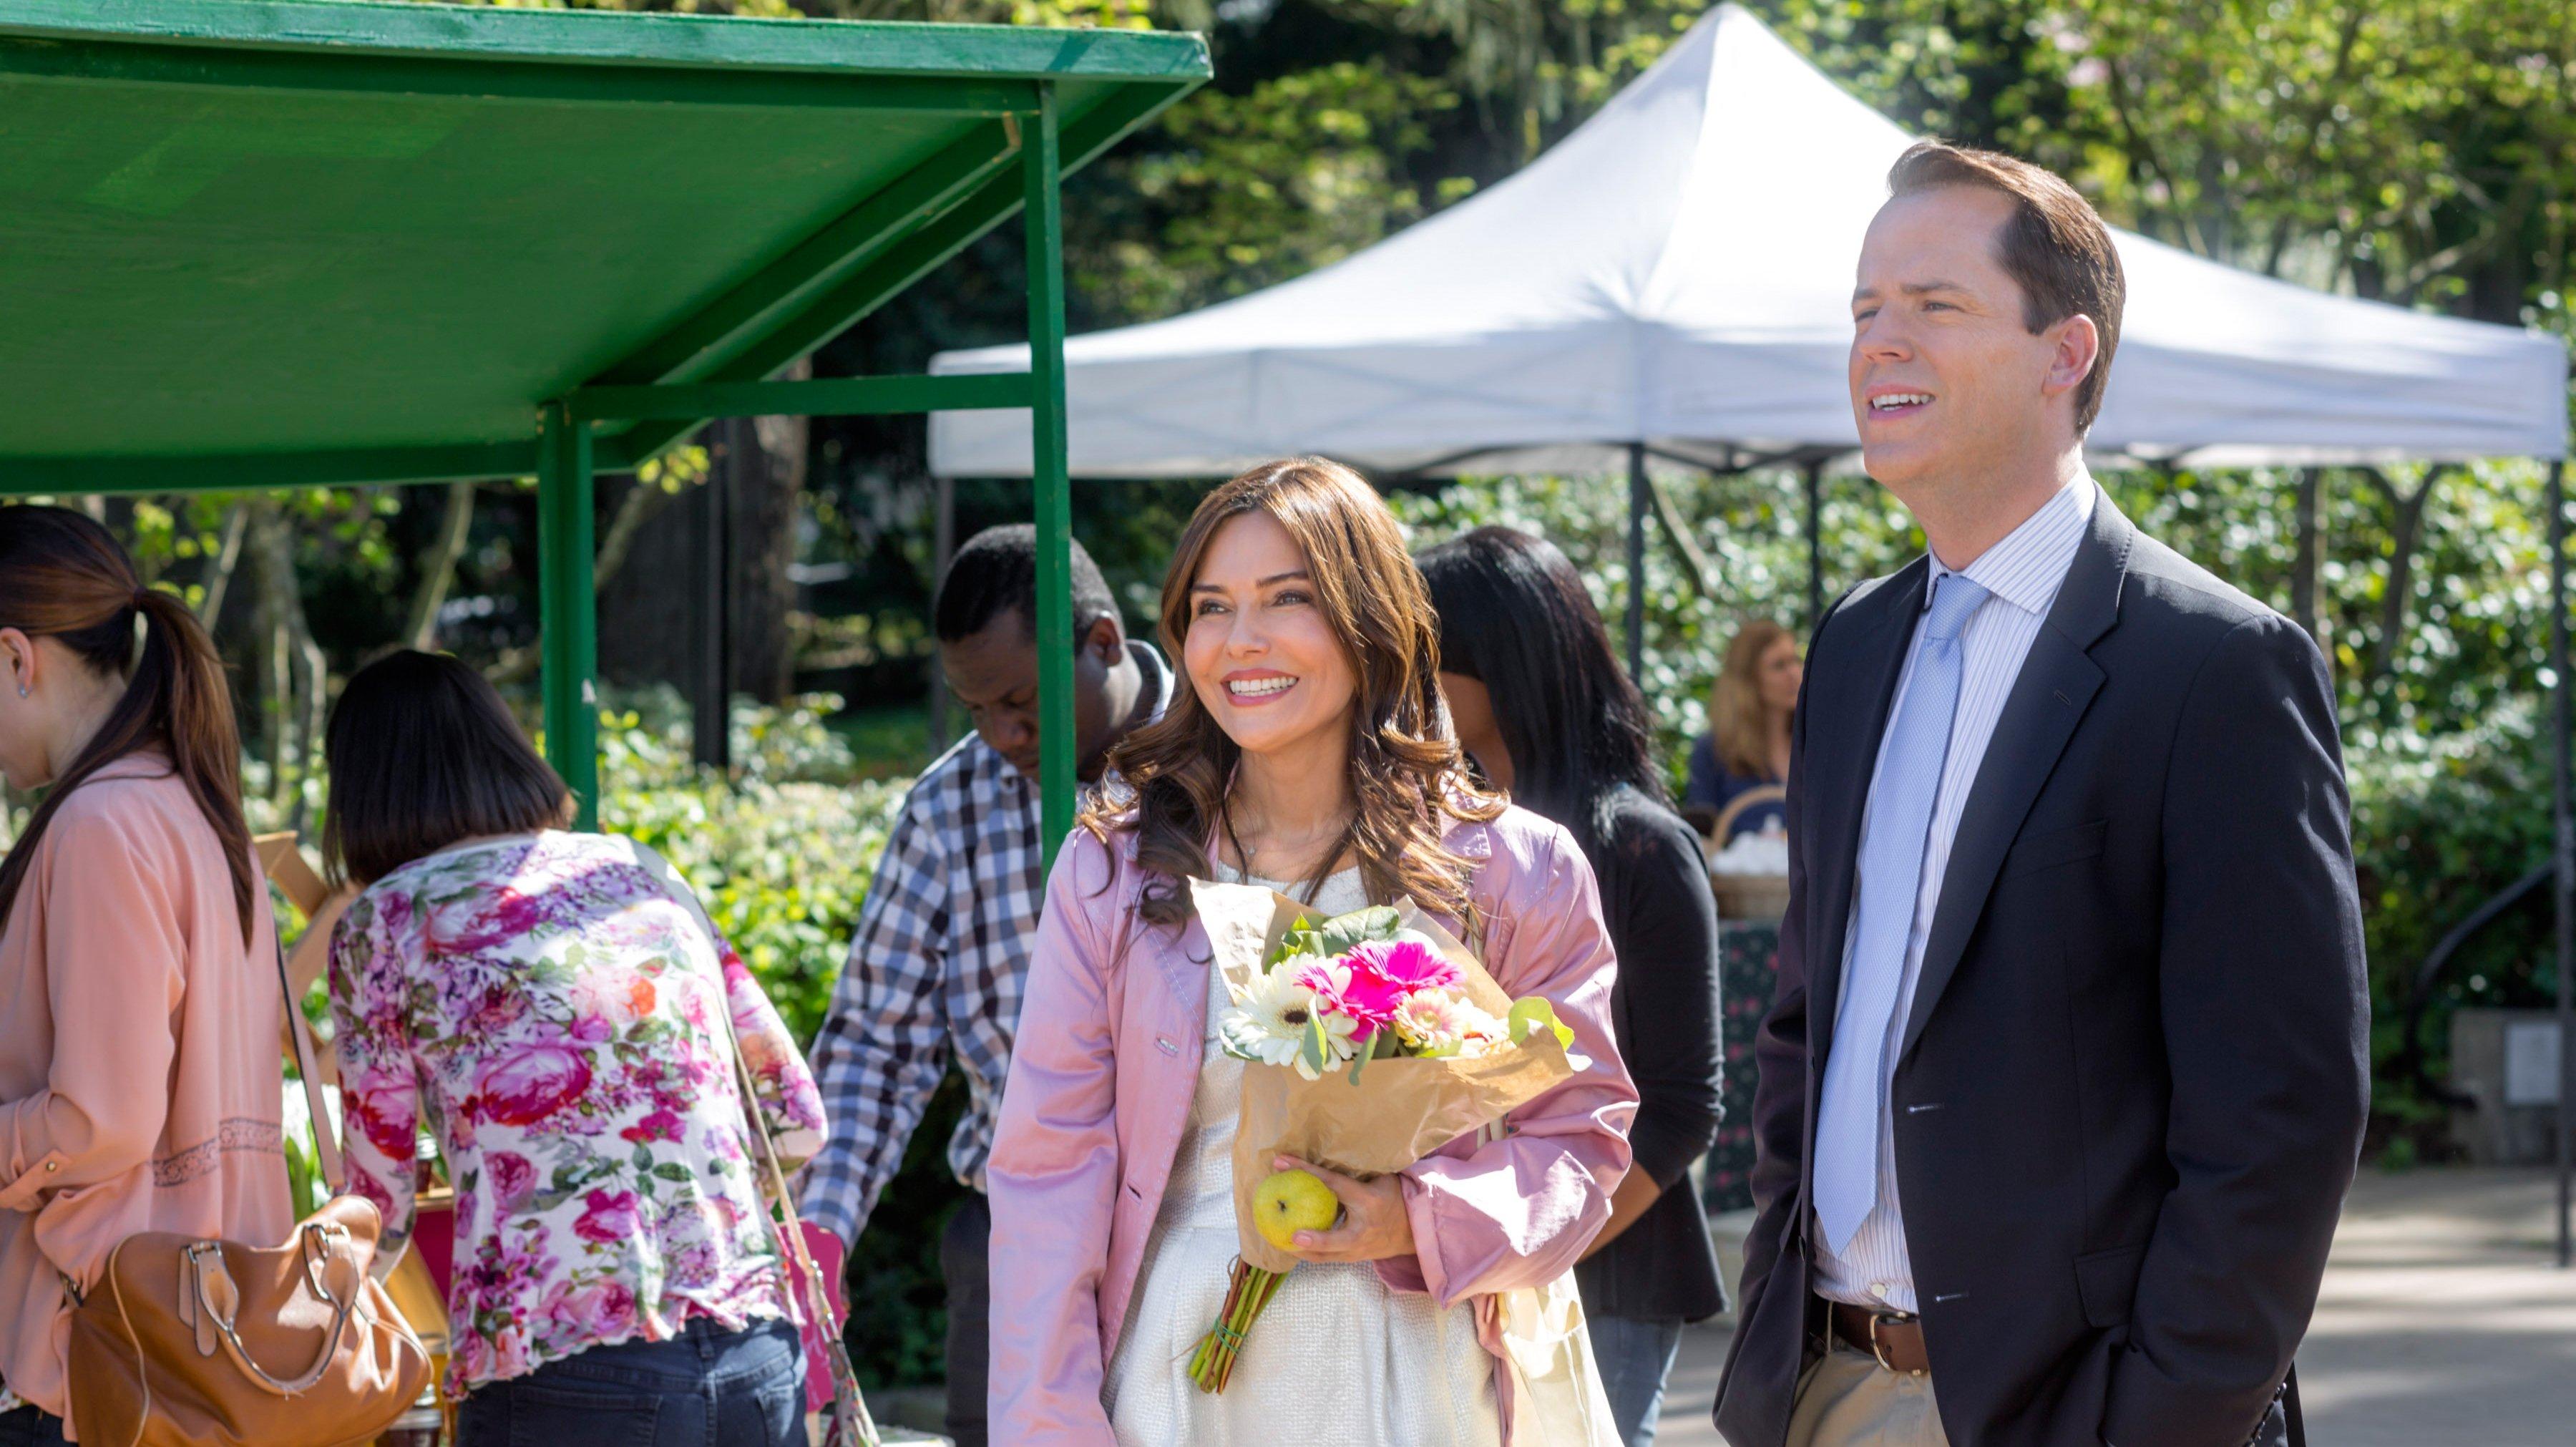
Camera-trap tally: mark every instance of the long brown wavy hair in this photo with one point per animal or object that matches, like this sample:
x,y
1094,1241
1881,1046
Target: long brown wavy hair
x,y
1735,713
62,576
1407,777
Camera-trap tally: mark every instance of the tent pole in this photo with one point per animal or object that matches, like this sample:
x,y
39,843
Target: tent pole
x,y
943,549
711,569
1637,504
569,606
1045,227
2563,857
1814,470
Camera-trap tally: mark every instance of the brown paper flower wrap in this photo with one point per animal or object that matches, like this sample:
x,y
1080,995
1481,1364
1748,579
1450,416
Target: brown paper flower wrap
x,y
1398,1111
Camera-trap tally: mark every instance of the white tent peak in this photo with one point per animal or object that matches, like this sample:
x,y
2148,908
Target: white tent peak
x,y
1677,272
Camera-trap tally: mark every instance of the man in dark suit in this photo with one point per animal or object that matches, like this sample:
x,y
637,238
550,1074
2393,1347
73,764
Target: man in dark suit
x,y
2067,1074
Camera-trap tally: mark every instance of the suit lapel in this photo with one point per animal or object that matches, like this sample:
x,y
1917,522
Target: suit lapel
x,y
1844,734
2056,685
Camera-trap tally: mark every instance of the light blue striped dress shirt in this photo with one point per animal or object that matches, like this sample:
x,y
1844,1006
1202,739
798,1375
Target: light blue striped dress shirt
x,y
2023,572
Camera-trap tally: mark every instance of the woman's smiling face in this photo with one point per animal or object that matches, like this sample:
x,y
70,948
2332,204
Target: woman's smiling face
x,y
1260,653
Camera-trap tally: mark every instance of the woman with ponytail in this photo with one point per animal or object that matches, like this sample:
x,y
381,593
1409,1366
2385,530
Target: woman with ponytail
x,y
139,1004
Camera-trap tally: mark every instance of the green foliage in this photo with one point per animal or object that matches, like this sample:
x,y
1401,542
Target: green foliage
x,y
2436,833
1752,529
782,857
1253,189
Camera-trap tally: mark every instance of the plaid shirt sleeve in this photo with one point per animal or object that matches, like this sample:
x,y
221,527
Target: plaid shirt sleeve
x,y
884,1046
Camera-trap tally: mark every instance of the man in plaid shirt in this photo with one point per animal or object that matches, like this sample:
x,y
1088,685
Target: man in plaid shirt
x,y
942,948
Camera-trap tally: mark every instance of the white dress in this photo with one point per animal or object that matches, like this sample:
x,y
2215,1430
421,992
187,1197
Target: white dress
x,y
1337,1357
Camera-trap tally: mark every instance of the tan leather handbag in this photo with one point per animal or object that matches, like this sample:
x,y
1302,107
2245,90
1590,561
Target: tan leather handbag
x,y
189,1342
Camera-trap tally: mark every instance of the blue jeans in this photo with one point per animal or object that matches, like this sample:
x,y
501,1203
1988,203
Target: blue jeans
x,y
707,1387
28,1427
1634,1357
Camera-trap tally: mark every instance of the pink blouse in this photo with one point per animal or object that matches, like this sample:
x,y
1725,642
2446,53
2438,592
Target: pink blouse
x,y
139,1066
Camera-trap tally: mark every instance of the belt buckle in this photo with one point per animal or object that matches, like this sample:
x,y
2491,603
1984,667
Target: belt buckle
x,y
1888,1318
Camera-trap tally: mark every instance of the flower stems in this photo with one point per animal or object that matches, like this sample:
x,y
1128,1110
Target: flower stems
x,y
1246,1295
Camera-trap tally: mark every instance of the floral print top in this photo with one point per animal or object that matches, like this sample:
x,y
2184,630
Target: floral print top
x,y
546,1003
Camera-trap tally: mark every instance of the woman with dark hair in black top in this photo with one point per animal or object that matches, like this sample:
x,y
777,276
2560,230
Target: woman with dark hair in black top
x,y
1540,703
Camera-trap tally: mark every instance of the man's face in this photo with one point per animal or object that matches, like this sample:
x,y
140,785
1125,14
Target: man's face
x,y
994,673
1947,382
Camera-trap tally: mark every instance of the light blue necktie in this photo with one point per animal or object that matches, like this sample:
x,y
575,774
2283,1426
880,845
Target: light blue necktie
x,y
1891,878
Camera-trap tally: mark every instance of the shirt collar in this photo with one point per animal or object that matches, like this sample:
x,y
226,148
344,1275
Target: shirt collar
x,y
1157,675
2028,566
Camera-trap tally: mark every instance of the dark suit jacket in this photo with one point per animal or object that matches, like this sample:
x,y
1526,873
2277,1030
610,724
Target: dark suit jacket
x,y
2132,1082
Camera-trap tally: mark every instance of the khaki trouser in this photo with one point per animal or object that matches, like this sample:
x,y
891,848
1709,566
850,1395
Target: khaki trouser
x,y
1849,1400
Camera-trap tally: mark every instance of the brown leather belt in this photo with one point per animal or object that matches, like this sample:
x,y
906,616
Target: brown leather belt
x,y
1895,1338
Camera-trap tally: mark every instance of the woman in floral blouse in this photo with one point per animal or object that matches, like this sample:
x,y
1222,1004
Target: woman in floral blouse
x,y
546,1004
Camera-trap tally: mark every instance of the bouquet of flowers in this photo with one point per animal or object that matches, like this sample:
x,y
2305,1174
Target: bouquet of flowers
x,y
1371,1040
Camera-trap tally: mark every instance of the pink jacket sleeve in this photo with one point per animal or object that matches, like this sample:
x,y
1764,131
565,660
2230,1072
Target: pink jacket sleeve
x,y
1053,1176
1519,1211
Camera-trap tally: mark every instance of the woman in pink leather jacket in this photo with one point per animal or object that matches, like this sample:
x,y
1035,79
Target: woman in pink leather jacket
x,y
1310,751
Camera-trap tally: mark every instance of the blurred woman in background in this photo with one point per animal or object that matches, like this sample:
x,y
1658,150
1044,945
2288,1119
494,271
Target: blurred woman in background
x,y
1540,703
555,1006
1746,748
140,1001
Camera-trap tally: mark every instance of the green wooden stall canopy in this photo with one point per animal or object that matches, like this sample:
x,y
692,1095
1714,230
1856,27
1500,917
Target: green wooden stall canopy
x,y
267,243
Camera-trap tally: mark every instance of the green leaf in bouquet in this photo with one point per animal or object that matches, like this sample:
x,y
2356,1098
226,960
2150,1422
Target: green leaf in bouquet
x,y
1529,1015
1343,934
1300,941
1317,1052
1384,1045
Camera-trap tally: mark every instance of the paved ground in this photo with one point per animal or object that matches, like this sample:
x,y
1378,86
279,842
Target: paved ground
x,y
2442,1323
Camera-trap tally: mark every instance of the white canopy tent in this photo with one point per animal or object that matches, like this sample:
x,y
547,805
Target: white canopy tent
x,y
1677,273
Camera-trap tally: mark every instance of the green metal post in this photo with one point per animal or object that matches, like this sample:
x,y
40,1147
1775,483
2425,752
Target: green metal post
x,y
569,617
1039,167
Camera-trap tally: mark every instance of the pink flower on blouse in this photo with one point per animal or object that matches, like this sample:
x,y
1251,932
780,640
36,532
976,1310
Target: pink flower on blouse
x,y
533,1083
600,1311
364,1108
695,1265
514,1180
612,1217
660,1125
499,1008
510,915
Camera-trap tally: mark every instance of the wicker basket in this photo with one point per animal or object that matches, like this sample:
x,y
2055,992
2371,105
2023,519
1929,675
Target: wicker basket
x,y
1762,897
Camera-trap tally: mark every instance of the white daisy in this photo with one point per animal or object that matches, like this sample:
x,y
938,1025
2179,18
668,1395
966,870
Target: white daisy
x,y
1269,1024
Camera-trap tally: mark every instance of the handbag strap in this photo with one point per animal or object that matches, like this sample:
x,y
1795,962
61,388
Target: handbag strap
x,y
794,1257
795,1261
329,1264
326,1142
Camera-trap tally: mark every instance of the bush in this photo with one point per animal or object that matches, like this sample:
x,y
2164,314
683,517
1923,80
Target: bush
x,y
2436,833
